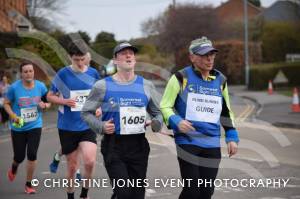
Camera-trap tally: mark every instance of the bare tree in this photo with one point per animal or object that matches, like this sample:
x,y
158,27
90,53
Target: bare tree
x,y
41,12
176,27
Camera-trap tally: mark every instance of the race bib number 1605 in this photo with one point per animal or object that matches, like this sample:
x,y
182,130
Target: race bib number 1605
x,y
132,120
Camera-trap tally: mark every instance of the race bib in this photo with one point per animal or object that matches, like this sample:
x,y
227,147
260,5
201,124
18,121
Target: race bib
x,y
203,108
80,97
29,114
132,120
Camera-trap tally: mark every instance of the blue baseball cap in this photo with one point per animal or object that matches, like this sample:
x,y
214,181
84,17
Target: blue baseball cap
x,y
123,46
201,46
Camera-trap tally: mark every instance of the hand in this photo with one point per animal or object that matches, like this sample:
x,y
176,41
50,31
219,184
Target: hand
x,y
98,112
147,123
48,105
185,126
109,127
69,102
42,105
14,118
156,126
18,122
232,148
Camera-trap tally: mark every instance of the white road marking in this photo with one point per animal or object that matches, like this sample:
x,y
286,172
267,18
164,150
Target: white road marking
x,y
244,158
272,198
46,172
157,155
221,190
152,193
292,186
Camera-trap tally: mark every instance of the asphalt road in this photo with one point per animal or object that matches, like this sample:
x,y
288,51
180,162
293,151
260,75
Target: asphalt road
x,y
268,157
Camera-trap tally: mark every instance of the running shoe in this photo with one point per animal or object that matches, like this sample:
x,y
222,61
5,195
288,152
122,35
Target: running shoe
x,y
54,165
29,190
78,175
10,175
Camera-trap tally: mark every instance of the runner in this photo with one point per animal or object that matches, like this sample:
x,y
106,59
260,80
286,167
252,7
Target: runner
x,y
4,85
199,94
69,89
23,102
124,99
58,154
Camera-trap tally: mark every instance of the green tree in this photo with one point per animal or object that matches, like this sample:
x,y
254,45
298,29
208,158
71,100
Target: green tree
x,y
104,49
57,34
278,39
104,37
104,44
148,49
85,36
43,50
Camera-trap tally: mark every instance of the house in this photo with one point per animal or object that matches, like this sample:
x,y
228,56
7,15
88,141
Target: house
x,y
233,10
13,16
283,11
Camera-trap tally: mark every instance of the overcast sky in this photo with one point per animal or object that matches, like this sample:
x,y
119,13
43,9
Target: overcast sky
x,y
121,17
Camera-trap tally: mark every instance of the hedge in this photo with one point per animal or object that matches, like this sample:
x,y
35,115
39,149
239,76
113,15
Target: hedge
x,y
260,74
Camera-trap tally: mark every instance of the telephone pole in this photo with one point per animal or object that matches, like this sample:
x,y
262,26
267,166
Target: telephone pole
x,y
246,43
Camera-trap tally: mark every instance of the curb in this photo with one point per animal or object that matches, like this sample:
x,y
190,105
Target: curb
x,y
258,108
276,124
286,125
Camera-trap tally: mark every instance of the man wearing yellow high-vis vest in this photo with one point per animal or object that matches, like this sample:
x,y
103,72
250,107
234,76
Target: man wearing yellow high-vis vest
x,y
195,104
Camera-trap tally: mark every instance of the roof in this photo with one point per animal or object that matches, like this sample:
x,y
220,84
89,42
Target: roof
x,y
283,10
234,10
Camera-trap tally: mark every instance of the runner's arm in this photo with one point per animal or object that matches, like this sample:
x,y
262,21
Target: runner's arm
x,y
93,102
57,85
8,99
44,102
55,99
153,106
8,109
227,117
171,119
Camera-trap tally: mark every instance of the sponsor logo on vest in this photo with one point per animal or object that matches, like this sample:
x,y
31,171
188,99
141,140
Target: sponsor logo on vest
x,y
111,101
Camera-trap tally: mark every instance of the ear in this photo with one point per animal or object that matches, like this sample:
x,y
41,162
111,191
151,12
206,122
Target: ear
x,y
115,61
191,57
